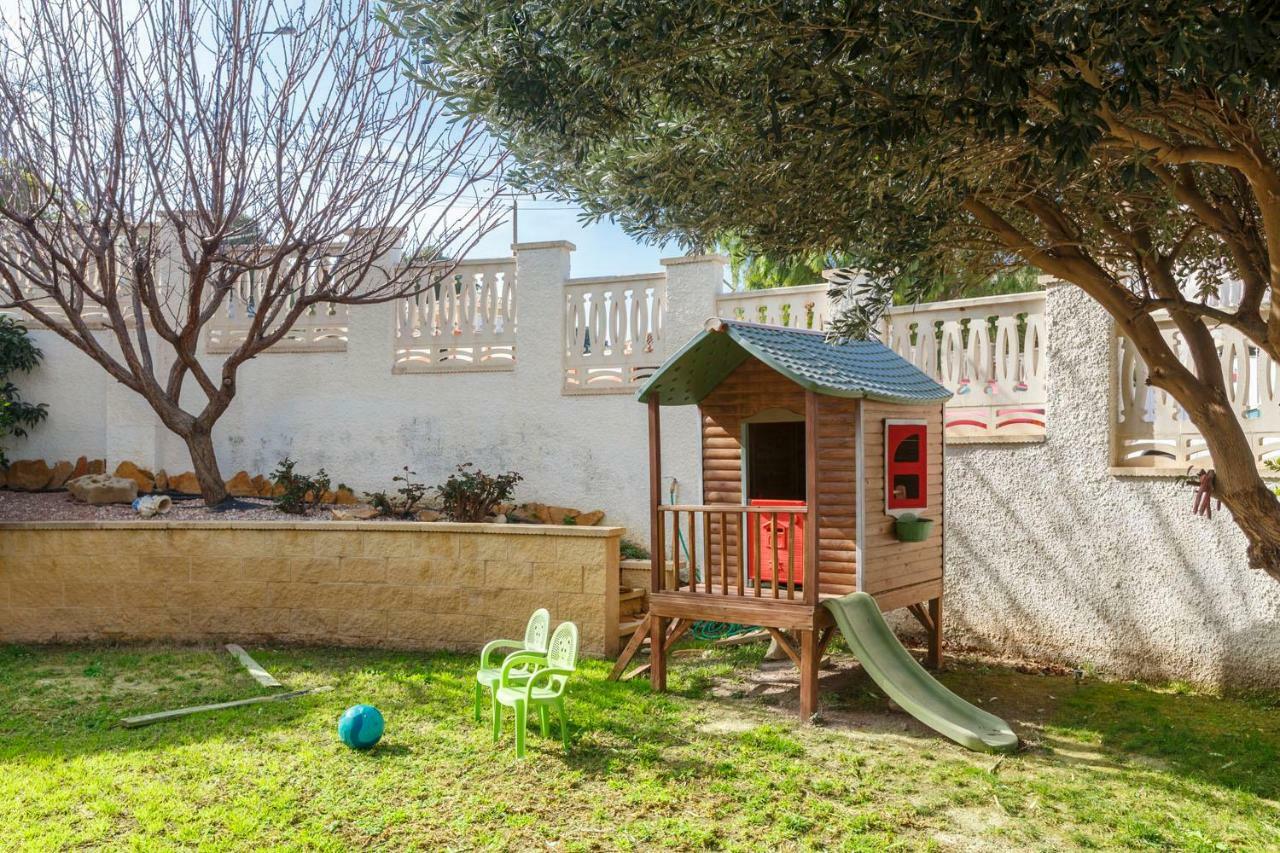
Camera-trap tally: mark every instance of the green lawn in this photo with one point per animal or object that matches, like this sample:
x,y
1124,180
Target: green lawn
x,y
713,764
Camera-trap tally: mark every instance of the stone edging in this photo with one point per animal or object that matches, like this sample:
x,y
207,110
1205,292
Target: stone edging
x,y
603,532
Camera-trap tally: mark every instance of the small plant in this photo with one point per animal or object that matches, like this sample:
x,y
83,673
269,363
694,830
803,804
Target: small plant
x,y
472,495
632,551
17,355
301,493
412,497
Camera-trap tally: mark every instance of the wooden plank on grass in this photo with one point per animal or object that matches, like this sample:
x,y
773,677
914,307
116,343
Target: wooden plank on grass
x,y
160,716
259,674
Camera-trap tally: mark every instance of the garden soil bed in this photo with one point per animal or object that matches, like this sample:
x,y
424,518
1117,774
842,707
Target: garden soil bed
x,y
59,506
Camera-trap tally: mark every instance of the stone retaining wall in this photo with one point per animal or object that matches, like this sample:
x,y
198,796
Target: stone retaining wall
x,y
405,585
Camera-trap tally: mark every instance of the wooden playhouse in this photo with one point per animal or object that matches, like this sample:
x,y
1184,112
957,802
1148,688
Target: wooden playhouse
x,y
821,461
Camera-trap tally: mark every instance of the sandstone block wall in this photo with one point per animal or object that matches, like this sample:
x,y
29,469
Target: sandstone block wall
x,y
437,586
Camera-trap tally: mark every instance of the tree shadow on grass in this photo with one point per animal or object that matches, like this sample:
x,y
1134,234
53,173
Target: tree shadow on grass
x,y
73,698
68,701
1228,743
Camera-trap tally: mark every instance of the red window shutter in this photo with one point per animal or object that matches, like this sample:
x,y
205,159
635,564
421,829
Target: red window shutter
x,y
906,466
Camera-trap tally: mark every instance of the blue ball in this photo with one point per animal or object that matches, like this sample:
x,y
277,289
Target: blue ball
x,y
361,726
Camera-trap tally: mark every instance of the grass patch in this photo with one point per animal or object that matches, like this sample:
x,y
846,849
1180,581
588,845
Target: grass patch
x,y
717,763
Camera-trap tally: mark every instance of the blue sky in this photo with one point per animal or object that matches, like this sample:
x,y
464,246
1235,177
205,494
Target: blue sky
x,y
603,248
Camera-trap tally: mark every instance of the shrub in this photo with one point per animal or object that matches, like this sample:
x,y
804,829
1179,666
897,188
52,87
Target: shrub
x,y
17,355
472,495
632,551
301,493
413,497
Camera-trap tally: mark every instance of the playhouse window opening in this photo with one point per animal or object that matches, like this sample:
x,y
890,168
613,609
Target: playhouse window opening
x,y
776,461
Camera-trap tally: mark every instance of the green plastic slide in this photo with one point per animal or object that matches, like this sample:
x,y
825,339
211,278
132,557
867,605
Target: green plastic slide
x,y
893,668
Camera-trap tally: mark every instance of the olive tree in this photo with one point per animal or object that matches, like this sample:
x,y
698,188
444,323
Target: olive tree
x,y
159,154
1129,148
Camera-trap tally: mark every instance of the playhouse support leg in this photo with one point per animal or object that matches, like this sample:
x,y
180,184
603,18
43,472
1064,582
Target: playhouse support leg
x,y
658,654
809,657
935,633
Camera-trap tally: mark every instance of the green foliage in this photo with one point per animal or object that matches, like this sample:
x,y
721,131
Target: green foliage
x,y
752,271
633,551
18,354
472,495
412,497
302,493
869,130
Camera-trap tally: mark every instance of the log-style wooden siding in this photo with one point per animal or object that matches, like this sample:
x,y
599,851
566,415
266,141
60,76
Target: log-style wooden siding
x,y
900,573
754,388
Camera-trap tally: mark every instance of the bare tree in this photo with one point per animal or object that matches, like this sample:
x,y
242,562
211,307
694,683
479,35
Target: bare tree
x,y
171,159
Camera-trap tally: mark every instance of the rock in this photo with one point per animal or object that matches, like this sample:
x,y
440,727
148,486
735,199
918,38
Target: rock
x,y
266,488
359,513
81,468
776,652
327,497
97,466
260,484
101,489
145,479
28,475
524,514
500,518
241,485
185,484
162,481
345,496
560,514
61,473
590,519
429,515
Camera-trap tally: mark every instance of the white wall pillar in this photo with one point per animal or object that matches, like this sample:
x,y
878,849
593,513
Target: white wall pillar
x,y
693,282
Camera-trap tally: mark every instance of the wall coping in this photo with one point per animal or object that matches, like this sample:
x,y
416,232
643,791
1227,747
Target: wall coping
x,y
543,244
694,259
599,532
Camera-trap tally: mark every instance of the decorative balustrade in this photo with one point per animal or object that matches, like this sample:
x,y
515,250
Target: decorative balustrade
x,y
322,327
91,313
613,332
465,323
804,307
989,352
1151,430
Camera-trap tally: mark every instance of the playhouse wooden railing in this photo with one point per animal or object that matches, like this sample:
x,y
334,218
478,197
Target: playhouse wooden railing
x,y
706,543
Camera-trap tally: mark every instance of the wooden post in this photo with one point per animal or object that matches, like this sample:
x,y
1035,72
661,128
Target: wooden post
x,y
809,655
658,654
656,559
811,578
934,658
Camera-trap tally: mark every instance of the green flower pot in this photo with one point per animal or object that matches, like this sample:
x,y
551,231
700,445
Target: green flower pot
x,y
912,529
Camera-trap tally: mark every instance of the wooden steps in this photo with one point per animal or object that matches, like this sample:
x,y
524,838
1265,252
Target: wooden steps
x,y
628,627
633,607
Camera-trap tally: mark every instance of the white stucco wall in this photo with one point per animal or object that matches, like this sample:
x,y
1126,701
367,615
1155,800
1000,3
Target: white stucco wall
x,y
1051,556
348,413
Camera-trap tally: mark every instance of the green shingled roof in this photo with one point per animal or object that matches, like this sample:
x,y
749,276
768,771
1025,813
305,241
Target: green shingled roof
x,y
838,368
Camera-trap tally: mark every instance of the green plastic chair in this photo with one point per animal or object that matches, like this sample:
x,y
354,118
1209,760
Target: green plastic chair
x,y
534,643
544,690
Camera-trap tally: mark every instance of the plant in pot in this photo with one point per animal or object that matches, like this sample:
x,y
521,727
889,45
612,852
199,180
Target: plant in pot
x,y
911,528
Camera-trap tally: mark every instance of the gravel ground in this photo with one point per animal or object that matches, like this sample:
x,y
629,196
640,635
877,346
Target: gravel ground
x,y
59,506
